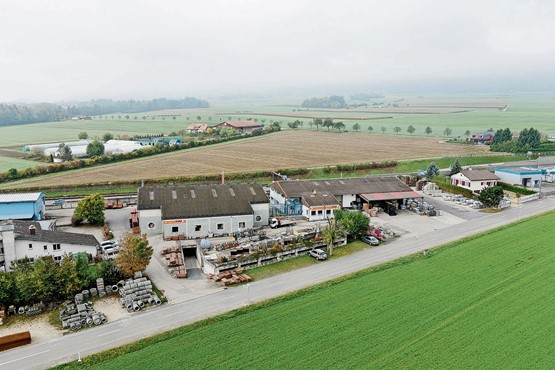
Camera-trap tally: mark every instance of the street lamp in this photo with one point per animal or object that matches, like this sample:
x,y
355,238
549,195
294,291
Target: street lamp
x,y
248,292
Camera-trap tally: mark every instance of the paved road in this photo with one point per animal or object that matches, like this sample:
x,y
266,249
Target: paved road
x,y
86,342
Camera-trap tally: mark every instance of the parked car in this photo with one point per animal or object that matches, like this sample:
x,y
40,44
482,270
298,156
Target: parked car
x,y
109,253
109,246
318,254
370,240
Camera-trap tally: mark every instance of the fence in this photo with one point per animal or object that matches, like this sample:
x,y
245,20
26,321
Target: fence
x,y
528,198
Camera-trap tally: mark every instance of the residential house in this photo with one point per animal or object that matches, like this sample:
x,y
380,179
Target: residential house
x,y
474,180
197,128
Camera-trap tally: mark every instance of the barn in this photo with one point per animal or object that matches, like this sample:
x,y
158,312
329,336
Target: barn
x,y
22,206
316,199
198,211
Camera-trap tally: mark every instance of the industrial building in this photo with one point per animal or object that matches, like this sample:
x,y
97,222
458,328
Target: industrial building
x,y
198,211
316,199
522,176
22,206
27,239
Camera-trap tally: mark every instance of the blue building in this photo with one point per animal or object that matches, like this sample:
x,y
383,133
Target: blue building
x,y
24,206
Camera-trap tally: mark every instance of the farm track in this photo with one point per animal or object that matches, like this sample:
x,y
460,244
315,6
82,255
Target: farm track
x,y
288,149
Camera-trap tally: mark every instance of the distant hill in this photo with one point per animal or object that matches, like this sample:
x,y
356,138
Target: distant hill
x,y
333,101
18,114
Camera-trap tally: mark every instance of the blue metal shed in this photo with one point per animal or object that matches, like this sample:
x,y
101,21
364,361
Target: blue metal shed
x,y
23,206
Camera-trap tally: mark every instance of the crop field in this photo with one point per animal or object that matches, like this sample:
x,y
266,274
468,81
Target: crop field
x,y
289,149
484,303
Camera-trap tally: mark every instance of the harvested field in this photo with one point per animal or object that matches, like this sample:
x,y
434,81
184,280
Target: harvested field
x,y
288,149
455,103
321,115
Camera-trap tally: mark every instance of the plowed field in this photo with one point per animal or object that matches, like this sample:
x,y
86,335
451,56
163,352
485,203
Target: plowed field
x,y
289,149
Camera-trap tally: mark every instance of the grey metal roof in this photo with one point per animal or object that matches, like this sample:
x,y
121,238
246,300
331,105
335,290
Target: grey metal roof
x,y
19,197
21,229
319,198
178,202
338,187
474,175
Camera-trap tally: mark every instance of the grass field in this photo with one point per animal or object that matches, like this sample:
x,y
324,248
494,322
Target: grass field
x,y
288,149
485,302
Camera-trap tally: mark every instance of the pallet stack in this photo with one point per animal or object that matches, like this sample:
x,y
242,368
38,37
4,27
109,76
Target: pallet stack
x,y
173,257
230,277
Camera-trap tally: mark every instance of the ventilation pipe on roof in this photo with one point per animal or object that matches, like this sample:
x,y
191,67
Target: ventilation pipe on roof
x,y
32,230
223,178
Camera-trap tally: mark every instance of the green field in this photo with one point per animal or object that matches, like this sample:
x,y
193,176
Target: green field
x,y
485,302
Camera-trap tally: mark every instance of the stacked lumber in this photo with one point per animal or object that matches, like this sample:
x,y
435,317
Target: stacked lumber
x,y
173,256
14,340
230,277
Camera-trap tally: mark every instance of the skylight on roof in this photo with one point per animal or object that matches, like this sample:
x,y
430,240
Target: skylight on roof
x,y
214,194
151,195
232,192
174,194
252,190
193,195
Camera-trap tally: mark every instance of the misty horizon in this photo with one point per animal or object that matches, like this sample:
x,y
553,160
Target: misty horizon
x,y
74,51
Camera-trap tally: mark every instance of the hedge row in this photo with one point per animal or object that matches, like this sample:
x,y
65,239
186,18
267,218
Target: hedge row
x,y
449,188
516,189
14,174
359,166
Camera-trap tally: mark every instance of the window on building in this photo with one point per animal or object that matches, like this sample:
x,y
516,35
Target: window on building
x,y
46,247
258,218
31,259
1,250
56,247
198,227
57,258
320,212
151,225
220,226
313,213
242,225
30,246
175,229
328,211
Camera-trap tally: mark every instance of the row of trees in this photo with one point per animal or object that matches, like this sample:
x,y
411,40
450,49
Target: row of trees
x,y
17,114
328,123
354,224
527,140
334,101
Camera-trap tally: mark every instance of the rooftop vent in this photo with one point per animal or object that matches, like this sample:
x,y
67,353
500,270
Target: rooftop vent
x,y
151,195
174,194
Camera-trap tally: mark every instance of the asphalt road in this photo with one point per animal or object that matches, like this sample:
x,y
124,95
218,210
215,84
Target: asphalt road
x,y
146,323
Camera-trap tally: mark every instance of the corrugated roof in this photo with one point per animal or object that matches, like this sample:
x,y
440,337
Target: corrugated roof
x,y
475,175
390,196
319,198
338,187
19,197
201,200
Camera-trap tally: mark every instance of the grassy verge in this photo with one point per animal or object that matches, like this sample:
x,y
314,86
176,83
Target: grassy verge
x,y
295,263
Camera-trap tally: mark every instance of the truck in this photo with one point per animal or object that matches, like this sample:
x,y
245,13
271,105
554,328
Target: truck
x,y
276,222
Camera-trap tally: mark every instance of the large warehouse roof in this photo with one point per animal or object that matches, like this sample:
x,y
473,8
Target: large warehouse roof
x,y
360,185
19,197
180,202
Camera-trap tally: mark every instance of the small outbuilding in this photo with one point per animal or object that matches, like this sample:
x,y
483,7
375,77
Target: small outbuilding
x,y
474,180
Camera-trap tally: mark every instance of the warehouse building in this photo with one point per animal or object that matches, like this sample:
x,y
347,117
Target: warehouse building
x,y
198,211
316,199
23,206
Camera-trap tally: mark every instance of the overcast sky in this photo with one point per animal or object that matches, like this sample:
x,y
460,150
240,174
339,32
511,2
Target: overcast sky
x,y
67,49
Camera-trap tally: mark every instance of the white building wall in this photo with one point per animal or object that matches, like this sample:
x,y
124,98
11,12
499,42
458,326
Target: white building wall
x,y
150,221
207,226
36,249
276,198
319,214
346,200
261,214
516,179
474,186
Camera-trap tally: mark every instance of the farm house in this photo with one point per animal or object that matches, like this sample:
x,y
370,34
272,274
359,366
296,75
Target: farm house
x,y
241,126
27,239
24,206
198,211
321,197
474,180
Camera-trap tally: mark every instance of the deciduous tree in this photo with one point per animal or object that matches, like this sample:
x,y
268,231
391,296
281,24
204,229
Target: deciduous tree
x,y
355,223
491,196
411,129
135,254
95,148
428,130
83,135
356,127
90,209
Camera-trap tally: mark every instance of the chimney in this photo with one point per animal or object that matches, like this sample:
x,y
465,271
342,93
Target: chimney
x,y
32,230
223,178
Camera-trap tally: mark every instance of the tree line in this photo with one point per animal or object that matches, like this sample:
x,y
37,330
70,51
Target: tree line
x,y
334,101
18,114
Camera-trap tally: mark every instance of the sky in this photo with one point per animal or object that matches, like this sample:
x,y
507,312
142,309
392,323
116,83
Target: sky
x,y
75,50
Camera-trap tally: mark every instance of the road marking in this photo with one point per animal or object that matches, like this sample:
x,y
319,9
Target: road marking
x,y
175,313
22,358
110,332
